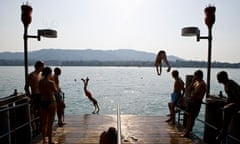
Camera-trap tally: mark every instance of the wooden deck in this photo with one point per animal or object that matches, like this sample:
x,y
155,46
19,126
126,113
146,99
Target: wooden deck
x,y
86,129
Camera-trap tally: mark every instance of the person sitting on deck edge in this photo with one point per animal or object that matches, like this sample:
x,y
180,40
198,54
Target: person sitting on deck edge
x,y
178,93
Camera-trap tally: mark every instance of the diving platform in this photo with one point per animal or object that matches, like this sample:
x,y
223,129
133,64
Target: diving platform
x,y
16,126
135,129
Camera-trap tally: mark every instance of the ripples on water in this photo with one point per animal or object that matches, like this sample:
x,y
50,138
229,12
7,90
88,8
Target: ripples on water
x,y
138,90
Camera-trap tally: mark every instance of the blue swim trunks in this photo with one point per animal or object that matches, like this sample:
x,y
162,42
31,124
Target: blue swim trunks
x,y
59,96
175,97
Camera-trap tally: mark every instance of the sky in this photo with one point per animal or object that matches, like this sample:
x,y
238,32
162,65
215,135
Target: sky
x,y
143,25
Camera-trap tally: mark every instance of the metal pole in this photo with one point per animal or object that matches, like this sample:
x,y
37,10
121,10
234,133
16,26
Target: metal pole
x,y
209,21
26,18
9,128
118,125
30,120
25,53
209,60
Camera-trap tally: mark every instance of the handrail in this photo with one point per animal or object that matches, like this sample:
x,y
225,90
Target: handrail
x,y
207,124
118,125
11,104
11,99
202,121
19,127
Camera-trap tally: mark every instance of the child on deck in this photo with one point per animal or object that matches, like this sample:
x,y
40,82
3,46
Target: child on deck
x,y
89,95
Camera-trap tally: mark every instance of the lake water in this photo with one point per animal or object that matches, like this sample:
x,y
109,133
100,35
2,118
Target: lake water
x,y
138,90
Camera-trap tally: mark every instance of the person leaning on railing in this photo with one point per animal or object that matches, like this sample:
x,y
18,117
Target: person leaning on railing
x,y
32,91
197,90
232,90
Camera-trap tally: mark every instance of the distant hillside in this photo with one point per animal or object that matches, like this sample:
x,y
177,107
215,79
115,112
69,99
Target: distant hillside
x,y
89,57
85,55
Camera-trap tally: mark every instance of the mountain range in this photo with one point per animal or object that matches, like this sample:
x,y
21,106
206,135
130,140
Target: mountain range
x,y
90,57
84,55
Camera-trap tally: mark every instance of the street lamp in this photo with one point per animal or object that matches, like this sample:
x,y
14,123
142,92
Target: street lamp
x,y
194,31
26,18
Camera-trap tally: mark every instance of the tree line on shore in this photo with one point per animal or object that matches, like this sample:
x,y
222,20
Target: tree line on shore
x,y
176,63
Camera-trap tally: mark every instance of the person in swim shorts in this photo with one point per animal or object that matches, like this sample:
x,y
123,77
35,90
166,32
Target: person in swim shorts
x,y
178,91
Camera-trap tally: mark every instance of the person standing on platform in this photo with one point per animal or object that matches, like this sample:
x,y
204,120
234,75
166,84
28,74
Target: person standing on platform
x,y
232,90
59,97
32,91
161,56
197,90
178,92
48,90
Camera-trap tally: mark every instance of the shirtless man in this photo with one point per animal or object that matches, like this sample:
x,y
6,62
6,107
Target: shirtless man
x,y
197,90
89,95
178,92
158,62
232,106
59,97
32,90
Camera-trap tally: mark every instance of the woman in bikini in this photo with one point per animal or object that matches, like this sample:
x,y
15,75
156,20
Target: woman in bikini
x,y
48,104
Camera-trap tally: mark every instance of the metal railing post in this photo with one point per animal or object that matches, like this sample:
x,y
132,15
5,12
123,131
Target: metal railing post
x,y
9,128
118,125
208,125
30,120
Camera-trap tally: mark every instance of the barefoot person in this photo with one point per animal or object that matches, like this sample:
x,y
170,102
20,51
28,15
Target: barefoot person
x,y
197,90
59,97
48,89
178,92
158,62
89,95
32,91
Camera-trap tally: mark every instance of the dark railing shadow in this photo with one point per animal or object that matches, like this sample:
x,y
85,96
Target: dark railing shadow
x,y
15,122
212,124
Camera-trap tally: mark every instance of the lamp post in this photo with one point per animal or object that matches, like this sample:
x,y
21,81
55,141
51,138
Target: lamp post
x,y
194,31
209,21
26,19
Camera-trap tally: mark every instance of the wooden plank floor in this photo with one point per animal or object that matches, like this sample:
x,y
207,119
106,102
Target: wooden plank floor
x,y
86,129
